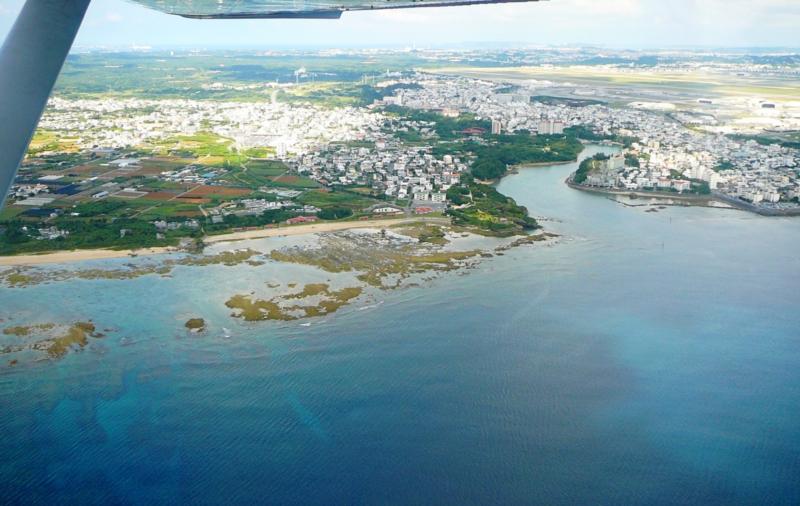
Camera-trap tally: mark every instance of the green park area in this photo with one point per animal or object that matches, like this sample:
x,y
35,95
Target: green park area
x,y
482,208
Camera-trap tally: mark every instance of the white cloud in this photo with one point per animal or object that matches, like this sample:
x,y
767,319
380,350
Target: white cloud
x,y
629,23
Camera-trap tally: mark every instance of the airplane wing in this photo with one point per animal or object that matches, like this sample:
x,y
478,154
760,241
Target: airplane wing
x,y
309,9
30,60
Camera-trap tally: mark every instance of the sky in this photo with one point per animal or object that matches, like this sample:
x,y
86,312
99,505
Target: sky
x,y
614,23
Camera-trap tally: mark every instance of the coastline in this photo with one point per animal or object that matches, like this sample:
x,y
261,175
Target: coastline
x,y
643,194
539,164
78,255
312,228
732,202
58,257
514,169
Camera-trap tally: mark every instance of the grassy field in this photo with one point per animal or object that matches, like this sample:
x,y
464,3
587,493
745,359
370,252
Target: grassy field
x,y
46,140
244,76
325,94
9,212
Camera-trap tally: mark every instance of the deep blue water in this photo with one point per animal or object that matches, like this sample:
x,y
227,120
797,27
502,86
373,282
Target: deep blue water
x,y
648,358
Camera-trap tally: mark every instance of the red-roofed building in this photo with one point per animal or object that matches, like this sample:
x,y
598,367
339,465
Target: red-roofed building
x,y
301,219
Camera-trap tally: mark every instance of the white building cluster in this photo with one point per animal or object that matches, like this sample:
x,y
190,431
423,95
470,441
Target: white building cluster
x,y
668,151
390,167
133,122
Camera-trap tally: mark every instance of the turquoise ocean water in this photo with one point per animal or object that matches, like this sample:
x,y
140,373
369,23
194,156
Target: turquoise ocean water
x,y
647,358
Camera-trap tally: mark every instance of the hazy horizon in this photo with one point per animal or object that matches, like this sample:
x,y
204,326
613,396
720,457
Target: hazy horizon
x,y
629,24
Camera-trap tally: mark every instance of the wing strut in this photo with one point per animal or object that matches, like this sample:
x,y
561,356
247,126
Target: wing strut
x,y
30,60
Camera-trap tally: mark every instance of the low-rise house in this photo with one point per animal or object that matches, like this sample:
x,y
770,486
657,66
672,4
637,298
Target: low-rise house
x,y
301,219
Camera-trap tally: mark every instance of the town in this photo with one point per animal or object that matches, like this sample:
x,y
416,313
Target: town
x,y
667,153
151,170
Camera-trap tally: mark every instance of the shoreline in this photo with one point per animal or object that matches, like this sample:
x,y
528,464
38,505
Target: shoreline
x,y
732,202
643,194
59,257
514,169
523,165
77,255
312,228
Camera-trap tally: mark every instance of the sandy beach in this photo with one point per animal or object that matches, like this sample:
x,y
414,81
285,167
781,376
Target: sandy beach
x,y
59,257
78,255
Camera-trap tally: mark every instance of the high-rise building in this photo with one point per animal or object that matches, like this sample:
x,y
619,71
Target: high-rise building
x,y
497,127
550,127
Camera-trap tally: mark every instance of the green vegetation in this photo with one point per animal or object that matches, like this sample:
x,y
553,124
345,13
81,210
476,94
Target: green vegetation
x,y
14,279
587,166
9,212
325,94
483,207
766,140
75,220
700,187
208,147
570,102
293,306
235,221
446,128
238,75
491,161
54,340
336,197
335,213
493,153
46,140
229,258
256,310
309,290
424,232
76,336
587,133
379,264
29,276
339,94
631,160
254,174
195,324
87,233
26,330
125,223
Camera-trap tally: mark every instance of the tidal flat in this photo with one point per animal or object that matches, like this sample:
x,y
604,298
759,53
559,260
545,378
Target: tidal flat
x,y
381,258
315,299
273,279
28,276
49,340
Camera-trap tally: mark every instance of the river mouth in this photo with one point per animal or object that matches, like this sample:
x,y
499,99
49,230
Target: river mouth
x,y
542,188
